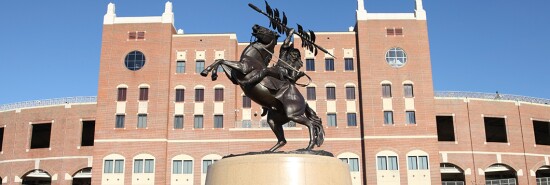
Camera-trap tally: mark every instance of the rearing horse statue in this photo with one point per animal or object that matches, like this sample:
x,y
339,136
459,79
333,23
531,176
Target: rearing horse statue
x,y
282,104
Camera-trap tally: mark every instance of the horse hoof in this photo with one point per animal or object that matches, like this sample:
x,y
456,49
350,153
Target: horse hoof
x,y
214,77
204,73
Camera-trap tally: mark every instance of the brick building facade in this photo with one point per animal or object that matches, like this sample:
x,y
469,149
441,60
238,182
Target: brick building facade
x,y
157,121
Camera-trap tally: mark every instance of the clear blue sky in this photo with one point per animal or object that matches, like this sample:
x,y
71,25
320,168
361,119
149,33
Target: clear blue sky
x,y
51,49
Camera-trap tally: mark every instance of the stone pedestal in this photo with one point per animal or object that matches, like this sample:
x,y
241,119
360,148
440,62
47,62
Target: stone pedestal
x,y
279,169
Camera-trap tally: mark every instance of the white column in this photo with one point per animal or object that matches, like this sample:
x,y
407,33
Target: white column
x,y
361,13
419,12
109,17
168,15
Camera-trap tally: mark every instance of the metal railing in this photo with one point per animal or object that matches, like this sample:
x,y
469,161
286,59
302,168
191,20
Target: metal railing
x,y
543,181
511,181
49,102
452,182
258,124
490,96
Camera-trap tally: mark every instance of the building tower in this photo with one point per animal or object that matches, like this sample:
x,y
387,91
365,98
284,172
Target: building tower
x,y
132,99
397,98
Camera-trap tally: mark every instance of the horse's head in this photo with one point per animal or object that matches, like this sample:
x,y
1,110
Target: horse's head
x,y
264,35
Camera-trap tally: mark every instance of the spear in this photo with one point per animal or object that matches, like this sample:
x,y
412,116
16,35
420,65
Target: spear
x,y
276,23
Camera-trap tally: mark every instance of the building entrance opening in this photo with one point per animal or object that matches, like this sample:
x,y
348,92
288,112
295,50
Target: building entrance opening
x,y
37,177
451,174
83,177
500,174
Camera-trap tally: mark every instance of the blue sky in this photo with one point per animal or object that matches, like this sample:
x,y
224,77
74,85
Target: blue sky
x,y
51,49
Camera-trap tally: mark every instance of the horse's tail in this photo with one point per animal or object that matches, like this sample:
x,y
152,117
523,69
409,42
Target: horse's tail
x,y
317,125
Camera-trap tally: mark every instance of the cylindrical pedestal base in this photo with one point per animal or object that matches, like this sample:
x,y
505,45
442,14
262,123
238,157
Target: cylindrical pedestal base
x,y
279,169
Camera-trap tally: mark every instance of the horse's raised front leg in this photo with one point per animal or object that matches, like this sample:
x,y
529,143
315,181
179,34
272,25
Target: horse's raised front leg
x,y
210,67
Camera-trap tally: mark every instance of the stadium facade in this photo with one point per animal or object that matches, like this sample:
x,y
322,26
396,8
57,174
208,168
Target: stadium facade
x,y
155,120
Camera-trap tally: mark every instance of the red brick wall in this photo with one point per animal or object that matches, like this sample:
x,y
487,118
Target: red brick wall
x,y
65,156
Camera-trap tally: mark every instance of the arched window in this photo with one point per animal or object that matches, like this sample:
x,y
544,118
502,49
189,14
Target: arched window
x,y
408,90
182,169
113,163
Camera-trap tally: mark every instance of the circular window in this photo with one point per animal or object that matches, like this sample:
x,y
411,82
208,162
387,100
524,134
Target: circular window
x,y
134,60
396,57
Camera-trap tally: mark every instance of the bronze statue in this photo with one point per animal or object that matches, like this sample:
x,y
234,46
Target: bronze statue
x,y
274,88
282,100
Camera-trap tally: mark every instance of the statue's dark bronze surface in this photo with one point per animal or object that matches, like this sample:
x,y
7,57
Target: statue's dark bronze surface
x,y
274,88
299,151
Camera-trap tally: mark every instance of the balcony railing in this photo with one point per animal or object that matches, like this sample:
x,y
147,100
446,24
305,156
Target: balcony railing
x,y
258,124
49,102
490,96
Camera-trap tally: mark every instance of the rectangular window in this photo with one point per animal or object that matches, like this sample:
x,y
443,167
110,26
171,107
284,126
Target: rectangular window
x,y
495,130
329,64
331,93
121,96
199,95
119,121
413,165
394,31
390,32
41,135
88,131
422,162
310,64
180,95
398,31
350,93
410,117
205,165
382,163
149,166
198,121
392,163
177,166
445,128
247,103
140,35
187,167
142,121
143,94
178,121
311,93
542,132
352,119
386,90
1,137
119,166
388,117
180,67
132,35
138,166
108,166
331,120
353,164
218,94
348,64
199,66
218,121
408,90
